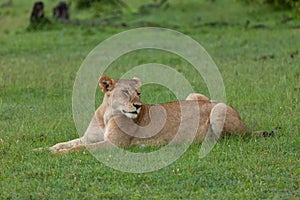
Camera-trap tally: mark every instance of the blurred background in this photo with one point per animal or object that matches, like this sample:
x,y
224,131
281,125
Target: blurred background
x,y
255,44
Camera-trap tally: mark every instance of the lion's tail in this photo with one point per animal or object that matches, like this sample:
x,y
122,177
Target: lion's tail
x,y
265,133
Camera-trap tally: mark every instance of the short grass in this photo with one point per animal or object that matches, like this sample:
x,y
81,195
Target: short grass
x,y
260,66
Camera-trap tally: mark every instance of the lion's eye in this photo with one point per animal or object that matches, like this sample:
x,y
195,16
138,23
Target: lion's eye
x,y
126,92
138,93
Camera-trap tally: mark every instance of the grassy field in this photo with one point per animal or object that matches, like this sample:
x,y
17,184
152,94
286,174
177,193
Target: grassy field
x,y
258,55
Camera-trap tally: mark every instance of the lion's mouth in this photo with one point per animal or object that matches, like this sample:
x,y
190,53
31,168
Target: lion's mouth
x,y
132,112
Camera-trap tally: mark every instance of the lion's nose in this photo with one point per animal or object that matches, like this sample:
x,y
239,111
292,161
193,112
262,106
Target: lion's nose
x,y
137,105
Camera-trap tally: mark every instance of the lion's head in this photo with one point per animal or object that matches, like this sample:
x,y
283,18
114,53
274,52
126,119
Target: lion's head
x,y
122,96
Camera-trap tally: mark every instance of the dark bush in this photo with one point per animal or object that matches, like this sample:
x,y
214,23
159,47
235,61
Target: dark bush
x,y
290,4
90,3
285,3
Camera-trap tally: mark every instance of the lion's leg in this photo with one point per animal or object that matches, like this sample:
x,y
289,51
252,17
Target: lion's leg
x,y
66,145
197,96
102,144
68,150
226,120
114,134
93,134
234,124
217,120
93,146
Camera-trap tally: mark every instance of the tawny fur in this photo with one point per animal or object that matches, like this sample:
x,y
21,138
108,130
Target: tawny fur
x,y
123,120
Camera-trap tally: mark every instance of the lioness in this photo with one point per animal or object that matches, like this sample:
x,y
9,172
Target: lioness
x,y
123,120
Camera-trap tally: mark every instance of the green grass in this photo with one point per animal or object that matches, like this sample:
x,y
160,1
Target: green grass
x,y
37,73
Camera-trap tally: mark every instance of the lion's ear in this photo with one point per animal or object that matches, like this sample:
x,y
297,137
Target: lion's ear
x,y
106,84
138,81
